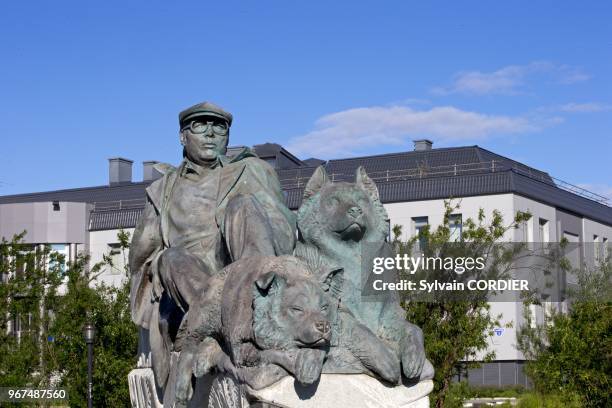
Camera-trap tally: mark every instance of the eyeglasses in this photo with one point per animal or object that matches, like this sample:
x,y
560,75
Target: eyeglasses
x,y
198,127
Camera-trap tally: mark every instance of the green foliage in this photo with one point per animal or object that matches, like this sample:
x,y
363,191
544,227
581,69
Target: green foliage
x,y
535,400
115,346
457,328
456,394
571,352
31,276
62,362
460,391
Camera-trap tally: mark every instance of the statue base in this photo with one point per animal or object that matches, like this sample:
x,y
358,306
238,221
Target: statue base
x,y
143,393
332,391
343,390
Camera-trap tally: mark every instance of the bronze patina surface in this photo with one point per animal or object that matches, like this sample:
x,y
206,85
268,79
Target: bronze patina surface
x,y
224,287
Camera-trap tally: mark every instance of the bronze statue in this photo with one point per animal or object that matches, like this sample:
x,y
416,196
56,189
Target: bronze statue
x,y
345,224
220,284
208,212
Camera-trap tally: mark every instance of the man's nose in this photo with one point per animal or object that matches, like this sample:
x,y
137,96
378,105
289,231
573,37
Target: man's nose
x,y
208,132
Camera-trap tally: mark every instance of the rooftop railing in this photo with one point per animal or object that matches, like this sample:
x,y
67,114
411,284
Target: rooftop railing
x,y
452,170
134,203
385,176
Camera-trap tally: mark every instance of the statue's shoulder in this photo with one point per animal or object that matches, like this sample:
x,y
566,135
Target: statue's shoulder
x,y
255,161
261,169
155,190
248,159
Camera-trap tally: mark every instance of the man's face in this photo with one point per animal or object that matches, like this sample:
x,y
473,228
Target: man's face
x,y
204,139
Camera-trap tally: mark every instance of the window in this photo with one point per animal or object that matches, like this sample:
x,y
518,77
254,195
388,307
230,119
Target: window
x,y
549,310
572,250
3,276
528,231
61,249
420,224
544,231
116,257
456,227
596,248
56,206
19,324
533,316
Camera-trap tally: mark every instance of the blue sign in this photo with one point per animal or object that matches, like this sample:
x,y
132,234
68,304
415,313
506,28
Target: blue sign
x,y
498,331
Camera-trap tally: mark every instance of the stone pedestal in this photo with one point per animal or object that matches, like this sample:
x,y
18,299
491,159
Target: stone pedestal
x,y
143,393
332,391
344,390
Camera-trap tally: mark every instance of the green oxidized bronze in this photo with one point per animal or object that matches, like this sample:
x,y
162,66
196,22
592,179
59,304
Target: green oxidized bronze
x,y
222,288
345,225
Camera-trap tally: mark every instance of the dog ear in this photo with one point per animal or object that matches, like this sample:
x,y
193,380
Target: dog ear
x,y
365,182
316,182
332,280
268,283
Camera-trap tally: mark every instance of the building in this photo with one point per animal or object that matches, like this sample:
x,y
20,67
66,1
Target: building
x,y
413,186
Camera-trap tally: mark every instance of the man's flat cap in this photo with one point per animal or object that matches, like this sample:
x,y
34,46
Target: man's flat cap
x,y
204,109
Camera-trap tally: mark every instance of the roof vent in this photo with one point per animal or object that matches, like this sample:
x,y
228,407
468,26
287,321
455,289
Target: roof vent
x,y
149,173
119,171
422,144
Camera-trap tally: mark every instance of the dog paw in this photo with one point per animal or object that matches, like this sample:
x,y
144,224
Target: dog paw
x,y
413,360
308,365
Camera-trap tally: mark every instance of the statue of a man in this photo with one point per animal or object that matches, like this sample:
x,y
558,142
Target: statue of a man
x,y
208,212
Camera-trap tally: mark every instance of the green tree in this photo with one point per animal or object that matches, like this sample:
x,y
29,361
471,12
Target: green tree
x,y
116,342
456,327
31,276
56,300
571,353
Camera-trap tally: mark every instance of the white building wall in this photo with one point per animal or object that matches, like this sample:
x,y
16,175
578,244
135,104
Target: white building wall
x,y
403,213
538,212
44,223
100,244
559,223
593,251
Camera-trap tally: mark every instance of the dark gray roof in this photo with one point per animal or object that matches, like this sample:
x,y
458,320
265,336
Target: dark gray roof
x,y
313,162
466,185
282,157
267,149
113,219
434,162
122,192
405,176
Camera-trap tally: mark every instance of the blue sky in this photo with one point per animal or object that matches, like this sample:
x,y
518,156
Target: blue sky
x,y
81,82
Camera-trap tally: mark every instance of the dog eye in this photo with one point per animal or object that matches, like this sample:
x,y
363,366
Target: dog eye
x,y
296,309
324,308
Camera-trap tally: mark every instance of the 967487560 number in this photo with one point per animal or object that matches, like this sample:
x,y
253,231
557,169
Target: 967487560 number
x,y
14,394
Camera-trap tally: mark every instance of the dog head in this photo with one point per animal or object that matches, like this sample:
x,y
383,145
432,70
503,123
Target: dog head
x,y
292,308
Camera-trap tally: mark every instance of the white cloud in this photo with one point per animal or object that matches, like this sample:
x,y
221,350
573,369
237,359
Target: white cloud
x,y
569,75
354,131
584,107
510,79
